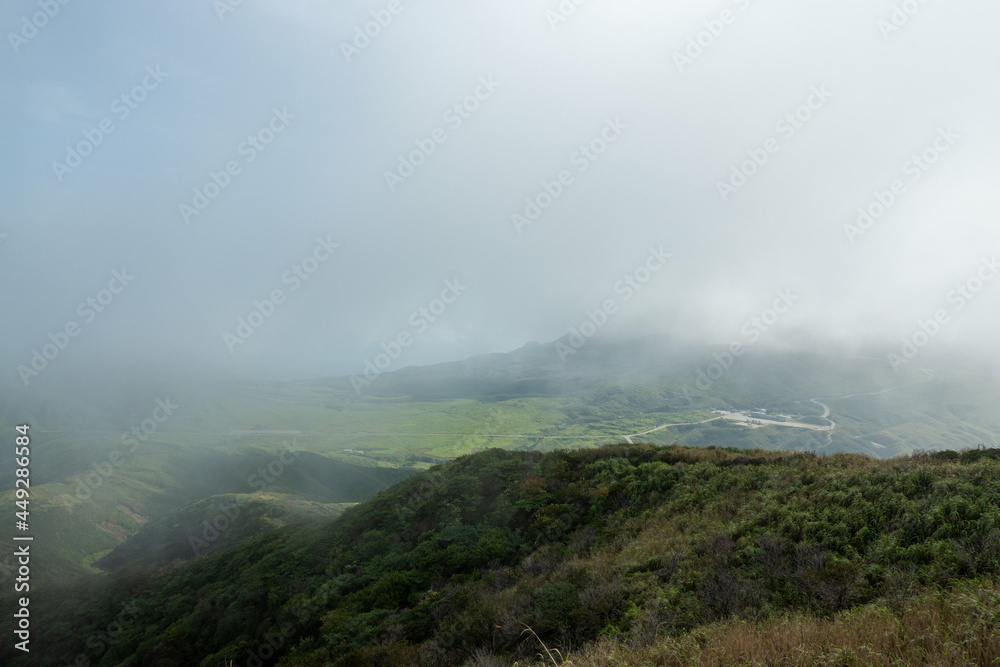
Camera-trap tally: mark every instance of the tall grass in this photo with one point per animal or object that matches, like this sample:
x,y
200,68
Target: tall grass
x,y
953,628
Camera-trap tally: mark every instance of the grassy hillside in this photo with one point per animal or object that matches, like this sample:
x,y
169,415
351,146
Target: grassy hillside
x,y
140,511
658,551
952,627
82,518
214,524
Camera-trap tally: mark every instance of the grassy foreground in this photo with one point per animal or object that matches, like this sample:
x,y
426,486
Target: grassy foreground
x,y
953,627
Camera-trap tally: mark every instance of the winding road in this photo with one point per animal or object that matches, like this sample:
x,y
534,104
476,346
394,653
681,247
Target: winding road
x,y
826,413
628,438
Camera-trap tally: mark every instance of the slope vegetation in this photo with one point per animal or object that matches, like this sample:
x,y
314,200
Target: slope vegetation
x,y
666,553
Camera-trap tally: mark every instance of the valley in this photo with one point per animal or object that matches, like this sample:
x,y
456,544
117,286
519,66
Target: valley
x,y
237,460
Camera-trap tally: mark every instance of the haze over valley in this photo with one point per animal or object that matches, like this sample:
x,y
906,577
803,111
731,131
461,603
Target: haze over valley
x,y
573,333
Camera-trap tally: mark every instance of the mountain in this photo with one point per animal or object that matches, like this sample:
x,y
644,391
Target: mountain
x,y
103,467
604,390
613,550
148,480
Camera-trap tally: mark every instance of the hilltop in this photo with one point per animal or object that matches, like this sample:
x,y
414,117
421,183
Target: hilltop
x,y
626,550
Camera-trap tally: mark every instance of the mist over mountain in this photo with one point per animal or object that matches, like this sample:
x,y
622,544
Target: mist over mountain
x,y
872,208
392,333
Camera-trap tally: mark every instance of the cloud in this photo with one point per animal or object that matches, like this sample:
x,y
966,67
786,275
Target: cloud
x,y
752,76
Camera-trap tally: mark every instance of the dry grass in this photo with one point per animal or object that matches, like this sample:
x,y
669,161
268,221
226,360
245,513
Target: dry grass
x,y
550,653
959,627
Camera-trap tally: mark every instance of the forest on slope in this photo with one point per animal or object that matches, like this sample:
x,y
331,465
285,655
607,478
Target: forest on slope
x,y
633,548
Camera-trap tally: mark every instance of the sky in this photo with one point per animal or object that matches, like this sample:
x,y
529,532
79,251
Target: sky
x,y
291,187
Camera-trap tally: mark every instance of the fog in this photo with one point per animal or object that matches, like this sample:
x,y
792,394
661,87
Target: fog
x,y
670,169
